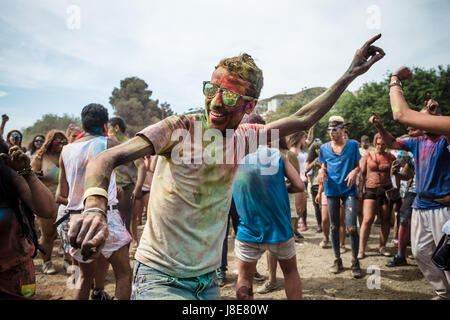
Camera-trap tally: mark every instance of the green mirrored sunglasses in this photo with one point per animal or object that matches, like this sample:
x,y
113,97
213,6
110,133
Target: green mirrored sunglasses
x,y
229,97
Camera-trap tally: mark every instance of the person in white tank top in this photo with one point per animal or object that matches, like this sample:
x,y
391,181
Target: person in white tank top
x,y
73,161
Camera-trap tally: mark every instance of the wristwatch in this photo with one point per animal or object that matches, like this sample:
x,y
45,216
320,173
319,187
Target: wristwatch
x,y
395,83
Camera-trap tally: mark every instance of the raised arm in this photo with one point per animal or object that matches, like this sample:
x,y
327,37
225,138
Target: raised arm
x,y
403,114
388,138
30,189
308,115
5,119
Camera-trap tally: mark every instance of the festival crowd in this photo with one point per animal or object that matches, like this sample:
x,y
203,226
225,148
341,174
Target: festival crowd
x,y
92,186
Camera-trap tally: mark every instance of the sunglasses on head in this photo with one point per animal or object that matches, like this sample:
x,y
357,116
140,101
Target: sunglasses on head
x,y
229,97
16,135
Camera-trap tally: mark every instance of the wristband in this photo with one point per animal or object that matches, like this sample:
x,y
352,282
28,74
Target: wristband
x,y
396,90
25,171
95,192
395,83
98,210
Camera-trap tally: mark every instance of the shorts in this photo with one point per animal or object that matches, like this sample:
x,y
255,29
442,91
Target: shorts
x,y
152,284
63,229
18,281
250,251
377,193
117,238
292,205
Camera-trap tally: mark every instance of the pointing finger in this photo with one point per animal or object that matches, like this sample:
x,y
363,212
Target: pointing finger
x,y
372,40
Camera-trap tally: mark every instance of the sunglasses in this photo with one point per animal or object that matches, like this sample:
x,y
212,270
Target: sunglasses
x,y
59,140
39,140
229,97
15,135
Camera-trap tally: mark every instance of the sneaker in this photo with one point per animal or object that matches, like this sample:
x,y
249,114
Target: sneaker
x,y
337,266
258,277
396,261
384,252
438,297
267,287
100,294
356,269
303,227
48,268
394,241
298,234
324,244
67,265
318,230
220,277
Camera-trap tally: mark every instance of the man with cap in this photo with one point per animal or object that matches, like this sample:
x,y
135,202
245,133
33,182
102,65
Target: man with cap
x,y
340,167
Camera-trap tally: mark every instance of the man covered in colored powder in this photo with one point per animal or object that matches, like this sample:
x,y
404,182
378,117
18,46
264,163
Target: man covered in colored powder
x,y
181,245
431,206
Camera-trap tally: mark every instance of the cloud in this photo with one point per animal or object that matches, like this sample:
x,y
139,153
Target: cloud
x,y
174,45
3,94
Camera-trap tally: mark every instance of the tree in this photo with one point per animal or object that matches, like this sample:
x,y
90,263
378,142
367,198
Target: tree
x,y
132,102
47,123
374,96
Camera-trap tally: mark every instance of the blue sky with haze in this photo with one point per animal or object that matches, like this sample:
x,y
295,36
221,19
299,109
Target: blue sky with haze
x,y
49,65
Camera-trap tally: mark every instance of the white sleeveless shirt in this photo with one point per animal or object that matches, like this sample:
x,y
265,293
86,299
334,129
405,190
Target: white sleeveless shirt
x,y
75,158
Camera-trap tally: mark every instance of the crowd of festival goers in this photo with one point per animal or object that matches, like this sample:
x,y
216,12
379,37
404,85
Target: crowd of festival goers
x,y
401,184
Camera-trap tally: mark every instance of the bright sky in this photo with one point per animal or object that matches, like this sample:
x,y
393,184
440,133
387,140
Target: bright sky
x,y
57,56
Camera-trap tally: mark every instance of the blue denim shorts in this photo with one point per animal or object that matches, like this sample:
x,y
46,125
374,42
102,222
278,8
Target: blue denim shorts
x,y
151,284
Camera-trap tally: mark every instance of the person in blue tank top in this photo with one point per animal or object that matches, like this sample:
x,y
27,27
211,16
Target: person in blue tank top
x,y
340,166
261,197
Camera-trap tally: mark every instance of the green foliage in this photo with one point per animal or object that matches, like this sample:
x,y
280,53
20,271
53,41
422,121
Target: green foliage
x,y
47,123
132,102
374,96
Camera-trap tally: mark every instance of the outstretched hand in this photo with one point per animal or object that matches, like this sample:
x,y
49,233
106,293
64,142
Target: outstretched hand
x,y
5,118
365,57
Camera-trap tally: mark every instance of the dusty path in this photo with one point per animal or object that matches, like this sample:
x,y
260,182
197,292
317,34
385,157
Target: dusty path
x,y
313,262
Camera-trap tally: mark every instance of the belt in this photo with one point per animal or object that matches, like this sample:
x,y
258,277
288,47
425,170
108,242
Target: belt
x,y
69,212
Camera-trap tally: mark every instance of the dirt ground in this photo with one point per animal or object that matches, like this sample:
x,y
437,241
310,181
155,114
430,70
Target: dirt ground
x,y
400,283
